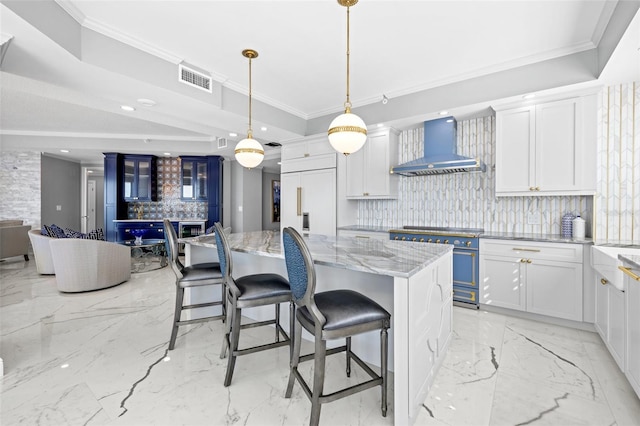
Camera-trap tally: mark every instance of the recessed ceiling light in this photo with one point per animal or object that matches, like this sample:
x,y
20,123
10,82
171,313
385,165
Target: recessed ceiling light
x,y
263,128
89,171
146,102
529,96
167,153
444,112
450,120
233,135
64,150
279,163
380,124
127,108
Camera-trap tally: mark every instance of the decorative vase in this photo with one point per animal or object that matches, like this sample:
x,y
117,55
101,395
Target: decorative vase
x,y
138,233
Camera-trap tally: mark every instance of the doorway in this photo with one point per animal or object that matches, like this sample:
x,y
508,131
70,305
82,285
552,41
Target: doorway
x,y
92,202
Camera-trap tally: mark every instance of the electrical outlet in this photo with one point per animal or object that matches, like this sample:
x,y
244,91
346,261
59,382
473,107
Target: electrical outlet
x,y
533,218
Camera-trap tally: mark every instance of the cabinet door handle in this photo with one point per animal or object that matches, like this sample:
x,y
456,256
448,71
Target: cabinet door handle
x,y
528,260
537,188
628,272
531,188
299,201
523,260
526,249
603,281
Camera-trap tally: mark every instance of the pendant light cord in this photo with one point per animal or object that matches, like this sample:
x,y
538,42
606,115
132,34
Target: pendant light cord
x,y
347,104
250,131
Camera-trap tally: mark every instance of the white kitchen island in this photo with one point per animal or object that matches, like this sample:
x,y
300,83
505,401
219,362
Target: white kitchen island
x,y
413,281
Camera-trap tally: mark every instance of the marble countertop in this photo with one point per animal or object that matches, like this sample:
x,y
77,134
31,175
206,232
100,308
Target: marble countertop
x,y
633,260
383,257
364,228
547,238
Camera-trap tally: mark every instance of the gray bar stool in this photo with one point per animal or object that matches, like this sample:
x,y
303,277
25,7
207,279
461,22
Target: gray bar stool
x,y
247,292
330,315
197,275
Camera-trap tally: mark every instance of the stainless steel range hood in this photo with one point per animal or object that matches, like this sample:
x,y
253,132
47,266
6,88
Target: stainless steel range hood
x,y
440,152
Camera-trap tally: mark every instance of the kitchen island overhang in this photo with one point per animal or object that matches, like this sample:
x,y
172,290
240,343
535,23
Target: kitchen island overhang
x,y
413,281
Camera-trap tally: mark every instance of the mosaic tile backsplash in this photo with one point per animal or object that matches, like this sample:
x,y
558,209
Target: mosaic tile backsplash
x,y
169,203
466,199
617,202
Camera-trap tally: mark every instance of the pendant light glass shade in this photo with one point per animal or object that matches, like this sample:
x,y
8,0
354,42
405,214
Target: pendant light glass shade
x,y
347,132
249,152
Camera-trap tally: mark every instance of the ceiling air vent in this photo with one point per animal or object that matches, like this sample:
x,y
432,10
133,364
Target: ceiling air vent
x,y
194,78
222,143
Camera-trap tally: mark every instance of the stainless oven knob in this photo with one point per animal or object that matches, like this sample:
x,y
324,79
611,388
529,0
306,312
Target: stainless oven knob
x,y
414,239
468,244
422,240
430,240
404,238
396,237
438,241
446,241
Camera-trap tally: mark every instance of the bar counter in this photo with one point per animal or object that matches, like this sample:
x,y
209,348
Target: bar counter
x,y
413,281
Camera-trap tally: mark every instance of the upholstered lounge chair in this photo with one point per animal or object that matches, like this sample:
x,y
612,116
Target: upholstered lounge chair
x,y
41,252
85,265
13,239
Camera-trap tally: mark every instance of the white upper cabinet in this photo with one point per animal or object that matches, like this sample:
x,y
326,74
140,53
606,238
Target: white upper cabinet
x,y
368,171
547,149
314,152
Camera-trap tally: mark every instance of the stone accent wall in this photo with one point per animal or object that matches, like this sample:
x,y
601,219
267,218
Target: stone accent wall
x,y
20,183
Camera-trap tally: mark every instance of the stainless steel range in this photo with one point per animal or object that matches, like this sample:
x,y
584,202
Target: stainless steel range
x,y
465,243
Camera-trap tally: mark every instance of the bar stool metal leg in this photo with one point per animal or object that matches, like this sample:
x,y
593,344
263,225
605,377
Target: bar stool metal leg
x,y
319,364
176,317
233,350
295,359
384,351
348,353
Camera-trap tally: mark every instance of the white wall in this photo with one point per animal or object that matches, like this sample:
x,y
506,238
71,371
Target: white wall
x,y
246,198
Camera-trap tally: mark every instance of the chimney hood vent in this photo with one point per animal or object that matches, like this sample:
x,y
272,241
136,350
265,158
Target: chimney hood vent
x,y
440,153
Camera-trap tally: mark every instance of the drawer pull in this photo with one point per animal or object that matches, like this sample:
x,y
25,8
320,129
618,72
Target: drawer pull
x,y
526,249
364,237
628,272
603,281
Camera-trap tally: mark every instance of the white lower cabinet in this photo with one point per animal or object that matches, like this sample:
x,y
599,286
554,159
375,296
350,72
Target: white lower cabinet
x,y
610,318
542,278
632,286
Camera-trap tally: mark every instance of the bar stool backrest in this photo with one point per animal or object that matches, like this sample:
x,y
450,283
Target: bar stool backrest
x,y
171,245
302,273
224,258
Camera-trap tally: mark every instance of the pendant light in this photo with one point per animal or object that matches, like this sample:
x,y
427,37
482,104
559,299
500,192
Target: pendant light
x,y
347,132
249,153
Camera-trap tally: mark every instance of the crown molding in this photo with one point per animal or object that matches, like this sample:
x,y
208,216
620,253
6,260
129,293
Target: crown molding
x,y
105,135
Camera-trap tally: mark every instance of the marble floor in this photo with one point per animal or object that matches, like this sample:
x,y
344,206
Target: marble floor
x,y
101,358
